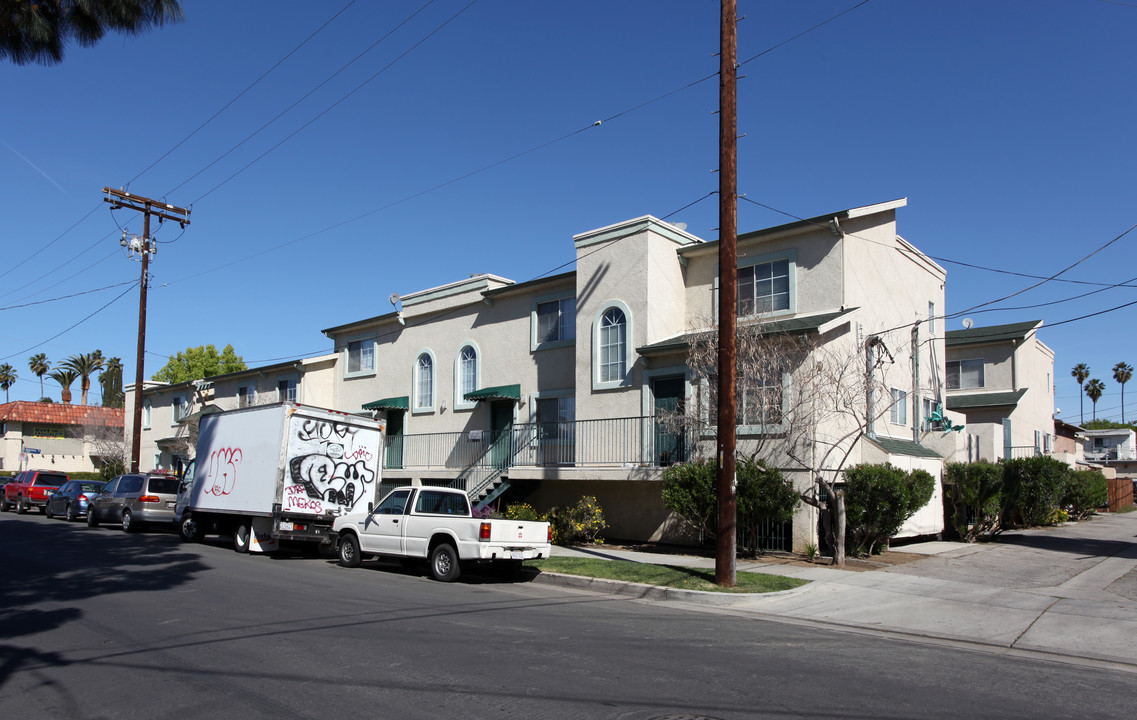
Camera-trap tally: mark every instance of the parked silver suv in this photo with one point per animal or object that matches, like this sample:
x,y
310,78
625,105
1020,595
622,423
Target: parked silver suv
x,y
134,499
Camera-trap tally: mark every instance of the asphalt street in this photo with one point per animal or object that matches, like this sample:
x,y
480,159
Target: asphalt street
x,y
95,623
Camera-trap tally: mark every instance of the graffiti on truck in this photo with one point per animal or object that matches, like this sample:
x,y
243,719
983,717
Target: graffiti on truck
x,y
221,475
332,472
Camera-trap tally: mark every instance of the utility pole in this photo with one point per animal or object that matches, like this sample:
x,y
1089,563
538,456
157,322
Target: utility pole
x,y
727,541
145,247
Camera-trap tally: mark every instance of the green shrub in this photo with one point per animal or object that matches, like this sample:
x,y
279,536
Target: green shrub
x,y
878,499
975,491
1084,492
689,492
763,493
1033,489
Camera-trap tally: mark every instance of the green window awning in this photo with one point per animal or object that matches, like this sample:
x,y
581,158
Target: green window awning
x,y
500,392
394,403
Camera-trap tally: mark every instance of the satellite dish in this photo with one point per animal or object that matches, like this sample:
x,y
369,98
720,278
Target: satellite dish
x,y
967,323
680,225
394,298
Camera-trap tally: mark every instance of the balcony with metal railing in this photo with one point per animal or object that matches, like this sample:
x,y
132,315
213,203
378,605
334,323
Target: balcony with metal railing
x,y
478,457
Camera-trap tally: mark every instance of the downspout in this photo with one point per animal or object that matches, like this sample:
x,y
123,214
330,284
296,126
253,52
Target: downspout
x,y
1014,366
916,420
870,417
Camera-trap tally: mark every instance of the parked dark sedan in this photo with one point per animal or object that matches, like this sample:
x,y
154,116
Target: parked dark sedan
x,y
72,499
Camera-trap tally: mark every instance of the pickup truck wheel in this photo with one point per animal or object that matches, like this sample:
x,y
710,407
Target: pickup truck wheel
x,y
241,536
21,505
128,524
72,514
444,563
349,552
190,529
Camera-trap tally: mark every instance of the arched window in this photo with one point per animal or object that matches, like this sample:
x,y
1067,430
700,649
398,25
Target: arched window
x,y
424,382
613,345
467,371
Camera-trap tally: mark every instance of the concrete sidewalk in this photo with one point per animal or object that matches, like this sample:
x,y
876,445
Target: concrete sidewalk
x,y
1069,591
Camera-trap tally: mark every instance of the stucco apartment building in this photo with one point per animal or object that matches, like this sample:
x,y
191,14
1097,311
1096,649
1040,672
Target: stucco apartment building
x,y
556,388
57,436
169,410
1001,379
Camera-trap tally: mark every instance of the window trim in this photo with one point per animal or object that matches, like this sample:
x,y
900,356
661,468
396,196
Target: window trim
x,y
460,402
147,413
416,408
629,343
534,344
348,340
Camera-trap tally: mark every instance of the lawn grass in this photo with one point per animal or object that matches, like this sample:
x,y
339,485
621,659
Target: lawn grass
x,y
671,576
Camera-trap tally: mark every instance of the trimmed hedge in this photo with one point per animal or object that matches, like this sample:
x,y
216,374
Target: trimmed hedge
x,y
878,500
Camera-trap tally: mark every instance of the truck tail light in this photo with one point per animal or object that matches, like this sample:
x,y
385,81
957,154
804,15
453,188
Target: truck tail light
x,y
549,535
484,532
149,498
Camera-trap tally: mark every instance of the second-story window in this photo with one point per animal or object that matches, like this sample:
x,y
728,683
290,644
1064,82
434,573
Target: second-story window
x,y
467,371
556,320
146,410
964,374
424,382
286,390
180,408
613,346
360,356
898,413
246,396
764,288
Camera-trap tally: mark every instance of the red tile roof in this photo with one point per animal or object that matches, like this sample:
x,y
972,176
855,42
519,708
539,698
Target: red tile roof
x,y
60,414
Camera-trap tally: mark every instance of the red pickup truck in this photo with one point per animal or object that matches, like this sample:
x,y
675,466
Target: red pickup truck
x,y
30,488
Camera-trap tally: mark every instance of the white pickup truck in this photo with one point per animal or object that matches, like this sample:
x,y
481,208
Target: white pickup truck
x,y
435,524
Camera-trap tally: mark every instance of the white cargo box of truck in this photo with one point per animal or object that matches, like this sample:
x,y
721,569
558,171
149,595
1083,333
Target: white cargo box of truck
x,y
274,472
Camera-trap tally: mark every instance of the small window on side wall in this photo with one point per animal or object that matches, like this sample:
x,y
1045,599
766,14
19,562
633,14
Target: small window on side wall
x,y
424,382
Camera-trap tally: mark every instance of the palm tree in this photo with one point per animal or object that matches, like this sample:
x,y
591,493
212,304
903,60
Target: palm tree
x,y
1080,372
110,380
1095,388
1122,373
39,366
64,377
7,378
37,31
85,366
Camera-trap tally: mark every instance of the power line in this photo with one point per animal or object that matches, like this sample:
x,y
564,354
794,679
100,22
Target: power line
x,y
104,307
67,297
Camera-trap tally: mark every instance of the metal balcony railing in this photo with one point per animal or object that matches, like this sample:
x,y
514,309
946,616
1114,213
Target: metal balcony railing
x,y
613,442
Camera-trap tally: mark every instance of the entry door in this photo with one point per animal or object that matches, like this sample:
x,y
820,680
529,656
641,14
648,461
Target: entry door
x,y
394,438
670,442
501,432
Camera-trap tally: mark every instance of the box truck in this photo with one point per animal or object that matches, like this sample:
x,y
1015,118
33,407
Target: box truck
x,y
278,472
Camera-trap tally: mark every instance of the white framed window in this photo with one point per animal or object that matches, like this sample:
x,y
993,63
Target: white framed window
x,y
931,318
1038,441
360,356
286,389
180,408
424,382
611,346
553,322
147,409
964,374
467,375
898,413
246,396
764,288
157,461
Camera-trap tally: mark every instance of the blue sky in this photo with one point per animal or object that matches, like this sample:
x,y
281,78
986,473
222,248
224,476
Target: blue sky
x,y
464,142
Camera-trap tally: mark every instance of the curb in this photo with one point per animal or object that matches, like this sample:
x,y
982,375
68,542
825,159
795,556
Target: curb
x,y
655,592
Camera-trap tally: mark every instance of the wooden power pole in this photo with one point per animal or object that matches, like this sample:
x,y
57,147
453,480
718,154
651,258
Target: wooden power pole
x,y
163,211
726,539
